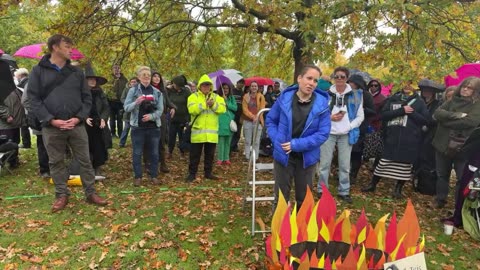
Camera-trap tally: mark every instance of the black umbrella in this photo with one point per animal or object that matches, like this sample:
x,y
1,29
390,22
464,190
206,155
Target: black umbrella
x,y
7,85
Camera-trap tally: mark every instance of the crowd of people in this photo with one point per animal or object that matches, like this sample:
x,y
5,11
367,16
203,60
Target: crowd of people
x,y
409,135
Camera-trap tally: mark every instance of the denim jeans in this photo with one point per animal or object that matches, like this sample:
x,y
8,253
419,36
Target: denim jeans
x,y
326,156
140,137
249,132
125,131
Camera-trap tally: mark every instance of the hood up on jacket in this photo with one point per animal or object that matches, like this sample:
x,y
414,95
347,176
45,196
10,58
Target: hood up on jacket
x,y
205,79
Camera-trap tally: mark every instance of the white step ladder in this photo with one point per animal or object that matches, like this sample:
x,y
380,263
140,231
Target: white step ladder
x,y
252,182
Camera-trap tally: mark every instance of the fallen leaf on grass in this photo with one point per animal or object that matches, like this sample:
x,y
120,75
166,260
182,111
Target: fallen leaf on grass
x,y
30,258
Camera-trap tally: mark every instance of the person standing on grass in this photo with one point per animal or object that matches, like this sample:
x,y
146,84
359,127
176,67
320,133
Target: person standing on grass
x,y
126,116
116,105
252,103
204,107
298,124
60,98
224,132
346,105
22,77
145,103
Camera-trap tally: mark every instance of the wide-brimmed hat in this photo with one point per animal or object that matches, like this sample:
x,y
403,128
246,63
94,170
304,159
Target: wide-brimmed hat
x,y
89,73
429,85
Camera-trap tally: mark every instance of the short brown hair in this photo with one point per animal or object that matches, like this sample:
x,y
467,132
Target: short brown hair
x,y
56,40
342,69
306,68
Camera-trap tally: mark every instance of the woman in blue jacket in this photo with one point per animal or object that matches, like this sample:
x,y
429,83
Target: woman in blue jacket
x,y
298,123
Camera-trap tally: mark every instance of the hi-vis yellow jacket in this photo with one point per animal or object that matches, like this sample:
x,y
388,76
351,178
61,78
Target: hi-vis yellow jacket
x,y
205,128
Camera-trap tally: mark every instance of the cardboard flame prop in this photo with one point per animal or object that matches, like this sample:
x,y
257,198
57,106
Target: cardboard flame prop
x,y
315,239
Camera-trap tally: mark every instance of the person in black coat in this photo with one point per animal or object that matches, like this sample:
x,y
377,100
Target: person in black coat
x,y
358,83
404,115
425,171
97,120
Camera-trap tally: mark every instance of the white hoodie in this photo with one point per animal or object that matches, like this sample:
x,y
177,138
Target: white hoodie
x,y
344,126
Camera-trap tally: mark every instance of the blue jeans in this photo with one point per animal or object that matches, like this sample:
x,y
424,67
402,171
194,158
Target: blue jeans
x,y
326,156
150,137
249,132
124,136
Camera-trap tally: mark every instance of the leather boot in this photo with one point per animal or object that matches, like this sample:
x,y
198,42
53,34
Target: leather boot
x,y
373,184
59,204
163,164
397,193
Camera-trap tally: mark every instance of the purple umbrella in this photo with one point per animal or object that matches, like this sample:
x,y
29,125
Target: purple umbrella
x,y
36,51
230,76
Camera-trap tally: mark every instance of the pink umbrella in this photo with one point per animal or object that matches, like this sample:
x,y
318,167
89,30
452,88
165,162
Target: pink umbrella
x,y
387,89
35,51
467,70
1,52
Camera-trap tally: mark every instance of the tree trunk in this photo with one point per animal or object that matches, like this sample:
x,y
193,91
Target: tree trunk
x,y
301,57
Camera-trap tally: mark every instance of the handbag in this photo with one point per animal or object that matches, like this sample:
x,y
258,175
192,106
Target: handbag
x,y
187,135
233,126
455,144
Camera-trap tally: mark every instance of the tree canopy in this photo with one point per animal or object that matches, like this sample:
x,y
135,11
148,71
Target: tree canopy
x,y
410,39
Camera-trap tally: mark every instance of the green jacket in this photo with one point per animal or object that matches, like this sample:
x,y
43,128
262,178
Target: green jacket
x,y
225,118
205,128
118,87
449,119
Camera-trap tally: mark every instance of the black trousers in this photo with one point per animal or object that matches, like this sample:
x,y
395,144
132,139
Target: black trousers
x,y
302,177
42,156
176,129
195,154
116,117
26,139
12,134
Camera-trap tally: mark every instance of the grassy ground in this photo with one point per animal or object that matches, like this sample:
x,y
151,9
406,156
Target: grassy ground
x,y
174,226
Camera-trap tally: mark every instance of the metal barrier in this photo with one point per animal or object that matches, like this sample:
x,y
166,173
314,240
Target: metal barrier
x,y
251,181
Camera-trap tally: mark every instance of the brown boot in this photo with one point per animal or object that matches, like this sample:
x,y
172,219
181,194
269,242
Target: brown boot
x,y
97,200
163,164
156,182
59,204
137,182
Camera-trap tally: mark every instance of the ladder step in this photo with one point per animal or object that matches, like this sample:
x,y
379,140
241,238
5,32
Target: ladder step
x,y
263,166
262,182
260,199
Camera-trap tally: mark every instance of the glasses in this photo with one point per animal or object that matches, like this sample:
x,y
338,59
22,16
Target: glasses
x,y
342,77
374,85
146,75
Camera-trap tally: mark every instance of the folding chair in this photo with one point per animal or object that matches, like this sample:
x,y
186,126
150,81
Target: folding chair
x,y
4,157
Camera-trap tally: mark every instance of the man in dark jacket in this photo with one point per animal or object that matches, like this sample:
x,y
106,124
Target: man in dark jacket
x,y
116,105
60,98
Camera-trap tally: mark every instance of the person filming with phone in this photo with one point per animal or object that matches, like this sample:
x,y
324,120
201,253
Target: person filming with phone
x,y
346,107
